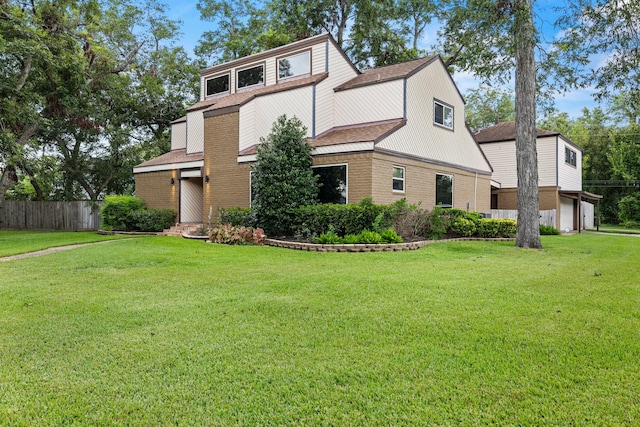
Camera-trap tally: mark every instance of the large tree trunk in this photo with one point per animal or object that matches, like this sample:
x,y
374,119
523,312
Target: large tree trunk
x,y
528,234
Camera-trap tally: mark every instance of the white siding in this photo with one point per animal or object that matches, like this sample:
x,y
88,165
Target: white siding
x,y
247,126
569,177
268,108
546,151
421,137
270,71
191,200
502,156
340,71
566,213
371,103
178,136
195,132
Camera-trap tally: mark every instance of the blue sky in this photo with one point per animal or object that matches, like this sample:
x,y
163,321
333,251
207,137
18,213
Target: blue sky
x,y
546,10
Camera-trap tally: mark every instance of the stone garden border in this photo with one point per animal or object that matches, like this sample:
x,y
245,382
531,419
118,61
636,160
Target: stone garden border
x,y
390,247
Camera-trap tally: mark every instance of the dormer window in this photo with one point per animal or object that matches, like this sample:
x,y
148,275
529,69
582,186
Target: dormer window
x,y
253,76
217,85
294,65
443,114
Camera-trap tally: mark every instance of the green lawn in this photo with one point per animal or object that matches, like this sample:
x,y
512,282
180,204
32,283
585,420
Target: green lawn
x,y
167,331
616,228
19,242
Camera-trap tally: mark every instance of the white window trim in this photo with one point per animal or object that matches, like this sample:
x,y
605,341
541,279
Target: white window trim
x,y
452,193
403,179
308,73
346,176
219,93
444,106
264,76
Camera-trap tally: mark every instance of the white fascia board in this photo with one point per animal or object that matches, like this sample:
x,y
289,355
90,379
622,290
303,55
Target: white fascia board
x,y
353,147
170,166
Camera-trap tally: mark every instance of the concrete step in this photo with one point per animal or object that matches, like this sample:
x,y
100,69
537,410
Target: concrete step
x,y
180,229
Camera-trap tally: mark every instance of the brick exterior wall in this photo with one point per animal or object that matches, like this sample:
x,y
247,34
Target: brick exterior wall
x,y
228,181
547,198
420,184
155,189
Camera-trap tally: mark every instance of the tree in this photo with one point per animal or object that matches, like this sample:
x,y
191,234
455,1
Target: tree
x,y
496,40
282,176
92,84
487,106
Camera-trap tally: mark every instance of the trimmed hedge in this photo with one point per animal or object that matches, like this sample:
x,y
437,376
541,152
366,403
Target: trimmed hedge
x,y
129,213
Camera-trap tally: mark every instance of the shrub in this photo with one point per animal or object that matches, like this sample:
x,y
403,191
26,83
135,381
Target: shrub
x,y
154,219
232,235
239,217
508,228
282,176
329,238
463,227
548,230
117,213
488,228
369,237
390,236
629,208
351,239
342,219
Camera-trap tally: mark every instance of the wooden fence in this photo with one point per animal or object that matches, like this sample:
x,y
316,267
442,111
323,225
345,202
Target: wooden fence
x,y
546,217
68,216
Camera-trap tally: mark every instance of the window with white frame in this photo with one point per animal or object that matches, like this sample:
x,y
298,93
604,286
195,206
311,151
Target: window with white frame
x,y
443,114
294,65
398,179
444,190
570,156
248,77
332,180
217,85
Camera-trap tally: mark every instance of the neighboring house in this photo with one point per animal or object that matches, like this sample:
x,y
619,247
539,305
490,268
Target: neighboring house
x,y
559,172
392,132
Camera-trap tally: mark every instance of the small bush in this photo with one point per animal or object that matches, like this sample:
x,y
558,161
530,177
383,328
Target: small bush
x,y
231,235
369,237
154,219
548,230
390,236
239,217
351,239
508,228
329,238
117,213
463,227
488,228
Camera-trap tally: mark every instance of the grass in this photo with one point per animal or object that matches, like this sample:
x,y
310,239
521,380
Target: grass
x,y
616,228
161,331
19,242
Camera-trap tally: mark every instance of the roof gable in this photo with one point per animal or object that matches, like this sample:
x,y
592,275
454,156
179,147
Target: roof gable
x,y
387,73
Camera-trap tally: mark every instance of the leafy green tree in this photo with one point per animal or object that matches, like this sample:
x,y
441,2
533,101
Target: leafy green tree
x,y
84,86
487,106
282,176
377,38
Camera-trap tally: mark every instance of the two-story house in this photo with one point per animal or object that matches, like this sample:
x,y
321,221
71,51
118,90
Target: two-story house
x,y
391,132
559,173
